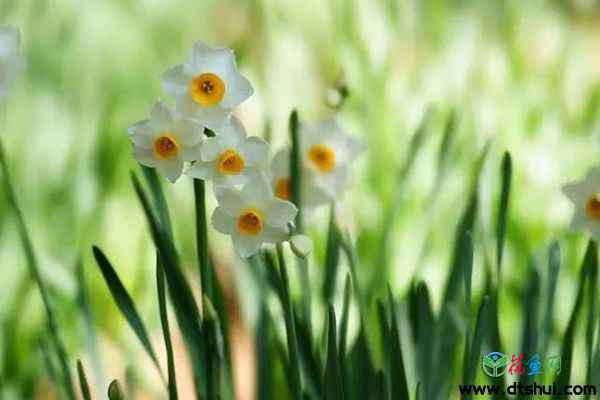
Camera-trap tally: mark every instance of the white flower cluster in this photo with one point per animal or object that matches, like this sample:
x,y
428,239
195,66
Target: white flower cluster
x,y
11,60
253,200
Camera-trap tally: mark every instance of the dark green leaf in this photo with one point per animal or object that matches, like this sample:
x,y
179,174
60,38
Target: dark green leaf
x,y
399,386
503,208
125,304
590,263
114,391
332,255
479,334
206,275
332,381
83,383
164,320
184,304
552,274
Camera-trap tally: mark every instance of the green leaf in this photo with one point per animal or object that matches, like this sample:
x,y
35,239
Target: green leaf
x,y
125,304
590,263
332,256
184,304
296,169
34,270
591,320
206,275
85,389
344,323
479,335
422,324
503,208
399,385
114,391
333,387
164,321
290,327
160,203
553,270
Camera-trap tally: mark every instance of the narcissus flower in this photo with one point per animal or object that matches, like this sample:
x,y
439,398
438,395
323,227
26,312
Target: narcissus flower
x,y
165,141
207,86
11,60
328,153
253,216
230,158
586,197
312,195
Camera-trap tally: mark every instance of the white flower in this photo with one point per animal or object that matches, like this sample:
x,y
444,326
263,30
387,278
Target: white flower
x,y
165,141
312,195
207,86
301,245
328,152
230,158
586,197
11,60
253,216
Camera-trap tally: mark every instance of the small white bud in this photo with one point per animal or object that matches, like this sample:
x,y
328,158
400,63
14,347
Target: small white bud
x,y
301,245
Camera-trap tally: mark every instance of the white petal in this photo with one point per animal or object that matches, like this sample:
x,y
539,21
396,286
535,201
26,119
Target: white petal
x,y
258,191
142,134
246,245
161,116
230,180
174,81
279,212
595,230
145,157
190,152
232,133
201,170
313,195
223,222
212,117
231,200
203,58
280,166
237,89
211,149
272,234
577,192
301,245
579,221
254,150
10,40
171,168
189,132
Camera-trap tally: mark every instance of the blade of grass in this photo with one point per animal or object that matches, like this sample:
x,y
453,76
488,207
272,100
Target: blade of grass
x,y
333,387
125,305
479,335
206,275
400,386
530,332
184,304
32,264
590,263
50,369
344,324
503,209
83,383
296,197
288,312
553,270
164,321
332,256
422,324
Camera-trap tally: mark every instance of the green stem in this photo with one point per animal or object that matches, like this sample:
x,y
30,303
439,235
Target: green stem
x,y
206,278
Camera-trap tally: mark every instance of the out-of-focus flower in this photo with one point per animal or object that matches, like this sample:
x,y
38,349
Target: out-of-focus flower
x,y
208,86
11,60
230,158
252,216
312,195
586,197
165,141
327,153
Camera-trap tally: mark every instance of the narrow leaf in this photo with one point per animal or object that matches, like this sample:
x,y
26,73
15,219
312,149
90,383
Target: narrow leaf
x,y
125,304
332,381
83,383
114,391
164,321
552,274
503,208
332,256
399,386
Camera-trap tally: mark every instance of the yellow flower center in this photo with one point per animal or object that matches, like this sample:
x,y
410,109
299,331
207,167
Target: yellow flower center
x,y
207,89
592,207
230,162
322,156
250,222
283,188
166,146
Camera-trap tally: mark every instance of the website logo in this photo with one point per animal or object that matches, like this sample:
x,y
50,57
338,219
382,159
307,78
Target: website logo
x,y
496,364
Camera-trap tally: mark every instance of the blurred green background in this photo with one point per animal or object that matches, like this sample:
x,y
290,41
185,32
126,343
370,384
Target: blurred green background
x,y
521,75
